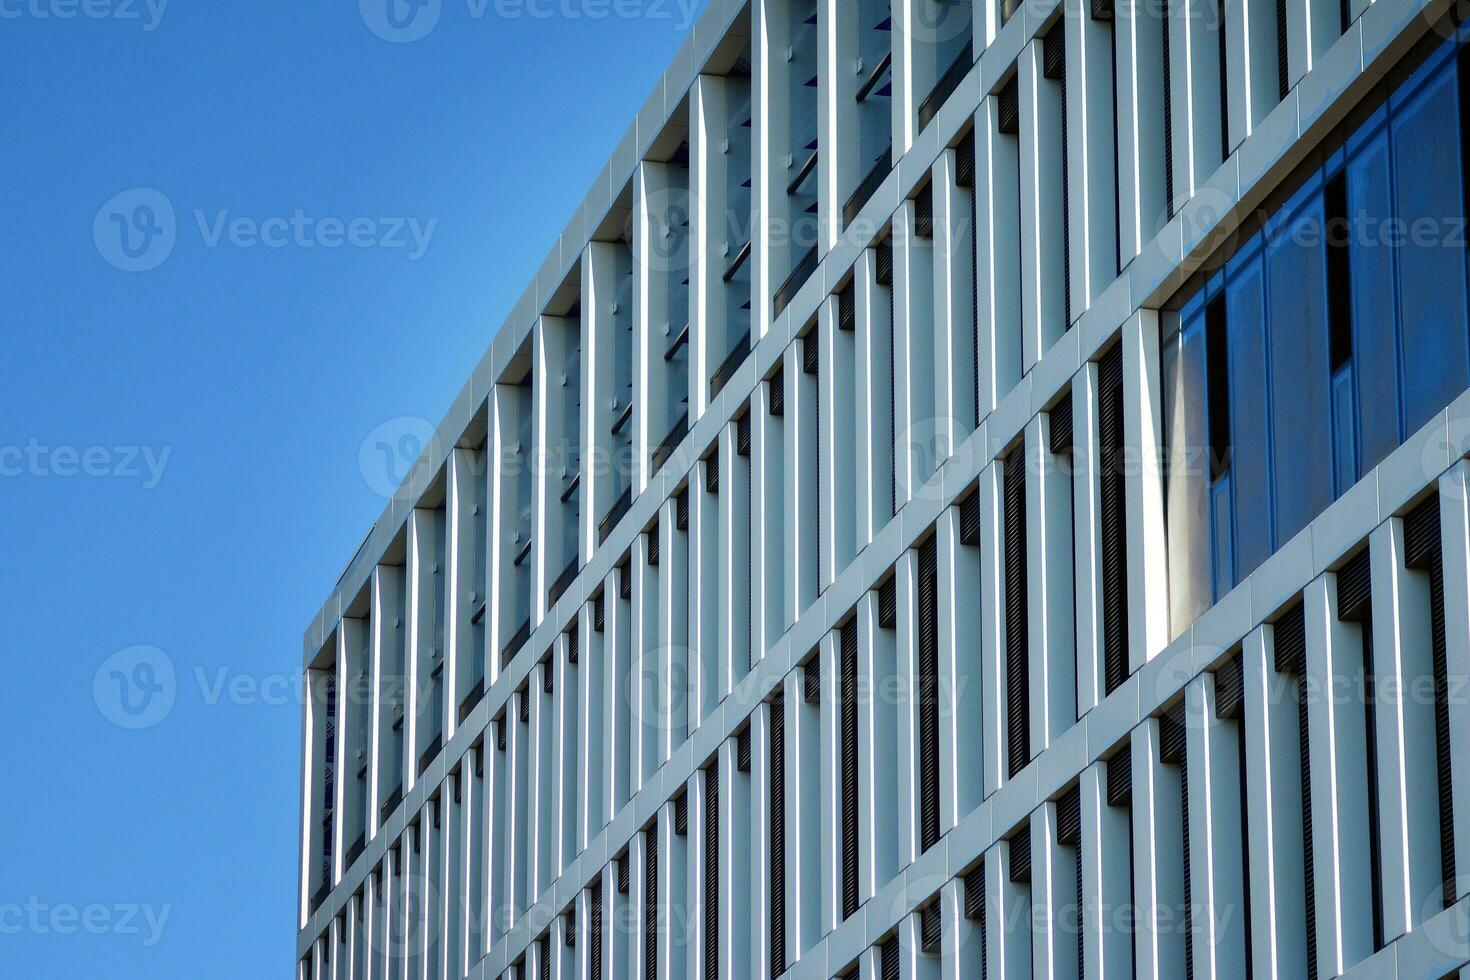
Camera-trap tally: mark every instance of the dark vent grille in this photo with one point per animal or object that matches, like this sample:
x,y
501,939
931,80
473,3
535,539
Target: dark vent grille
x,y
847,307
1283,65
599,612
574,642
848,723
569,927
500,733
1060,418
1054,54
1020,851
622,868
1174,751
544,970
1008,108
1173,736
681,510
1069,818
1113,504
924,213
742,434
681,814
970,520
1421,534
742,750
1290,633
776,393
1423,550
1230,688
1018,681
888,604
712,472
883,271
1168,114
975,893
1120,778
712,873
653,545
930,929
888,959
777,855
650,902
625,578
1355,588
1102,9
811,353
811,680
964,161
523,697
548,677
928,600
594,928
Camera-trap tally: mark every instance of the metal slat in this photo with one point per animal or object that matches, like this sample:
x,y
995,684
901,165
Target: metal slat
x,y
712,872
1230,688
1059,419
1120,778
928,601
594,926
1018,681
777,853
650,901
930,928
888,961
1113,520
1290,636
1020,853
848,723
1355,588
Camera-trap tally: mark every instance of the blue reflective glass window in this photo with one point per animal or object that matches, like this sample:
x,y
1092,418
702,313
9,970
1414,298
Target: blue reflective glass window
x,y
1375,316
1300,373
1250,429
1428,190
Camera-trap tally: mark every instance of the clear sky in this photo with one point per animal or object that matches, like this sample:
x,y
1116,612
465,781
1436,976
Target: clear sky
x,y
183,401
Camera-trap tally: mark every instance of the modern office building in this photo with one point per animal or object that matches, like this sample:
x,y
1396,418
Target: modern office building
x,y
974,491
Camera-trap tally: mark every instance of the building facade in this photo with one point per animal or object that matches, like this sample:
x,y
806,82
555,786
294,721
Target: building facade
x,y
974,491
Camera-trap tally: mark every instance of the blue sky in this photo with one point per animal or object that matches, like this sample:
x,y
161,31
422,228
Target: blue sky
x,y
352,218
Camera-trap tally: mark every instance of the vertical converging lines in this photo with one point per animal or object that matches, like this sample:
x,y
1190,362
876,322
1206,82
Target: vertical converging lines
x,y
928,601
1018,681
